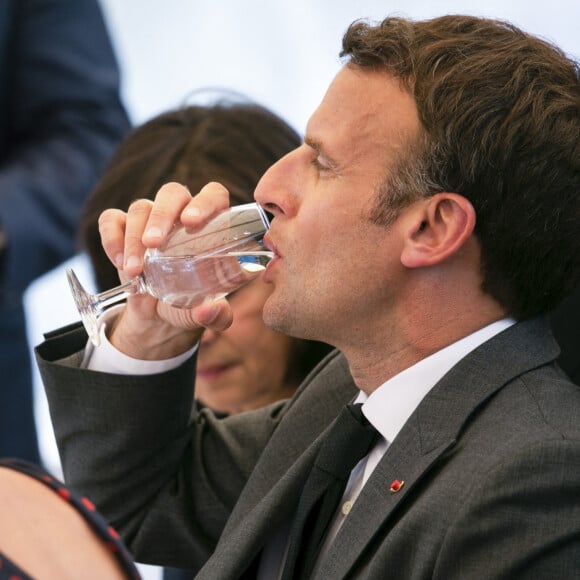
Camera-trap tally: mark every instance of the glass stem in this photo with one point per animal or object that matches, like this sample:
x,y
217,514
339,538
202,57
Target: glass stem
x,y
114,295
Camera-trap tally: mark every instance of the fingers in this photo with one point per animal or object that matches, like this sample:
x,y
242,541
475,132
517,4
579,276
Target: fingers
x,y
169,202
213,314
174,203
121,235
112,232
125,237
136,220
212,199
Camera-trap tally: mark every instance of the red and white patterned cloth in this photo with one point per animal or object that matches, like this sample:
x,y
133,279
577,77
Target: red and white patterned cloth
x,y
108,535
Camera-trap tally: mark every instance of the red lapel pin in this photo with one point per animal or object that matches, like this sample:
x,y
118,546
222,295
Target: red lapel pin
x,y
396,486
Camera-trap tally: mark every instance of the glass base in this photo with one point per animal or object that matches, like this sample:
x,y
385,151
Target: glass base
x,y
85,306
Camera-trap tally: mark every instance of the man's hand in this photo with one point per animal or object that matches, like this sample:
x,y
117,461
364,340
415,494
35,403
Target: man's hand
x,y
148,329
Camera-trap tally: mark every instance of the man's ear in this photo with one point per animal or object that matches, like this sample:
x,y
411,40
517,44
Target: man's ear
x,y
437,228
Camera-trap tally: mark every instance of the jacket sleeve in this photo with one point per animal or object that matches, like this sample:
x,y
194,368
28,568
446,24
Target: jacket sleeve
x,y
166,479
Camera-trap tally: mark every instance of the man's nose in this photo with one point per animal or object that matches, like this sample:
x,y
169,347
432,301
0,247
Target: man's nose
x,y
275,190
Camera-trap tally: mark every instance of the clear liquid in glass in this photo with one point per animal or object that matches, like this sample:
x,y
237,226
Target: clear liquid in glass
x,y
185,281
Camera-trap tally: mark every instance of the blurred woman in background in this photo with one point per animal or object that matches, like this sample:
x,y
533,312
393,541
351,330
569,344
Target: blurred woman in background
x,y
231,141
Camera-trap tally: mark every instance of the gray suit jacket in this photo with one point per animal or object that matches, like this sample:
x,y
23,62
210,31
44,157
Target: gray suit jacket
x,y
490,462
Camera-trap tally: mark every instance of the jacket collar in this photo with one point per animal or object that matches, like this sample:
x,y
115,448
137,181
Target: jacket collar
x,y
434,428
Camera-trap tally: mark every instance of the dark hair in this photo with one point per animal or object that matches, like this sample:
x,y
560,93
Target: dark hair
x,y
500,111
231,141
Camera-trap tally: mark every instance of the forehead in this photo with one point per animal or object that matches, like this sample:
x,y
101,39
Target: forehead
x,y
364,110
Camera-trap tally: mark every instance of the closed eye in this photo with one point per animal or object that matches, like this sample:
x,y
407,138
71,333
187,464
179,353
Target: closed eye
x,y
320,160
315,162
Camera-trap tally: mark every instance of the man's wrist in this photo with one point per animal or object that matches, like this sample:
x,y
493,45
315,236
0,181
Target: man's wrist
x,y
106,358
160,341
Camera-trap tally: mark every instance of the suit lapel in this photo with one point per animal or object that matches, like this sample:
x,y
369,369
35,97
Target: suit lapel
x,y
271,495
239,547
404,461
269,500
432,430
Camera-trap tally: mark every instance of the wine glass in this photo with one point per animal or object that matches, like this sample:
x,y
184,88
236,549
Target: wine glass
x,y
191,265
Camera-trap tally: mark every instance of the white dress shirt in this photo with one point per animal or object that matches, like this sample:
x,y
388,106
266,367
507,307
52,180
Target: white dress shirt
x,y
387,409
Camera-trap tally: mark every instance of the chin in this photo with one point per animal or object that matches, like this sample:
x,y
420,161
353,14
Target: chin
x,y
282,317
271,315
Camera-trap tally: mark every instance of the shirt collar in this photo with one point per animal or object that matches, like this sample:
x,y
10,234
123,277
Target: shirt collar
x,y
389,406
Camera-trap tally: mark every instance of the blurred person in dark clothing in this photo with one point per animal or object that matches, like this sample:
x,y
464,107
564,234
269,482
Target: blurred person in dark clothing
x,y
60,119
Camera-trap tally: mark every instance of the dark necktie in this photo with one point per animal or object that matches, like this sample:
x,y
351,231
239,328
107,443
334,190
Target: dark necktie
x,y
350,438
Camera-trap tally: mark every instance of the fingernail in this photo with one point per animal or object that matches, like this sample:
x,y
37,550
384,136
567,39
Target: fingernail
x,y
212,312
153,232
192,211
132,262
119,261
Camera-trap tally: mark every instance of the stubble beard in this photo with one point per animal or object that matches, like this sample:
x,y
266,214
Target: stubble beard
x,y
288,316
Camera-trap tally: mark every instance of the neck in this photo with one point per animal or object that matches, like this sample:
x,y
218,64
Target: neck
x,y
388,348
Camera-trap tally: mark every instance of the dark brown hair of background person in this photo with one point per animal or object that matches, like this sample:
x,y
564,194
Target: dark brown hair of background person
x,y
231,140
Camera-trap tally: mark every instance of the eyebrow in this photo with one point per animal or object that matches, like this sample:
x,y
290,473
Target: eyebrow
x,y
313,143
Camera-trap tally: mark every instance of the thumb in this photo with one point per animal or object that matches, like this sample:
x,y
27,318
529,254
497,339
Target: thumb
x,y
213,314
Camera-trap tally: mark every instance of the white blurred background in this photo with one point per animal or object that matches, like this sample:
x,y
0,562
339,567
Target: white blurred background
x,y
281,53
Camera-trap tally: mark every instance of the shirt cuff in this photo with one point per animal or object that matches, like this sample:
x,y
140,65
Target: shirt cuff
x,y
106,358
